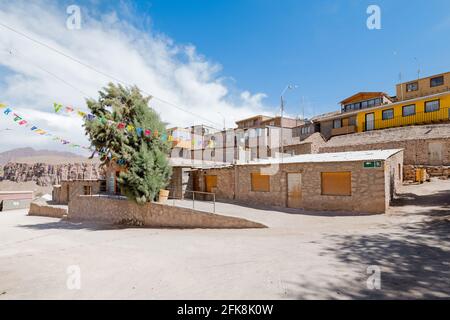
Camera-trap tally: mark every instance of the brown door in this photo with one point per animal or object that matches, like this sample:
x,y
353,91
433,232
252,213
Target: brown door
x,y
294,196
211,183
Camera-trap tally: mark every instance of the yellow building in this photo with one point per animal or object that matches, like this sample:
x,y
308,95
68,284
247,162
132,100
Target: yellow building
x,y
423,110
422,101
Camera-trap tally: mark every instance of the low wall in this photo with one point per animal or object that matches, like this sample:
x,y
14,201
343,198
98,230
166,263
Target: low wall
x,y
409,171
122,211
45,210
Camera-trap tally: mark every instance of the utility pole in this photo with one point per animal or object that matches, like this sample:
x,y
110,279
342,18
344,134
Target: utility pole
x,y
290,87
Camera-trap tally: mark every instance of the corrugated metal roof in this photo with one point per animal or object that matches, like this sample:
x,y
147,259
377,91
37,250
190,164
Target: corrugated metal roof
x,y
332,157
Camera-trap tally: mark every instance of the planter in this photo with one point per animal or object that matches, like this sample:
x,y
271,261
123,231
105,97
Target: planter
x,y
163,195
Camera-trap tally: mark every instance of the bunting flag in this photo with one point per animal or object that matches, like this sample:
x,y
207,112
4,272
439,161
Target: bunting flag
x,y
121,126
57,107
2,105
21,121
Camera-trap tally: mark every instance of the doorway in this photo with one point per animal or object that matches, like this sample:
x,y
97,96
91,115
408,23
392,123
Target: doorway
x,y
370,121
294,190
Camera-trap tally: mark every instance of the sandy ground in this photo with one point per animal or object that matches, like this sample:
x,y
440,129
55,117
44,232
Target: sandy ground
x,y
300,256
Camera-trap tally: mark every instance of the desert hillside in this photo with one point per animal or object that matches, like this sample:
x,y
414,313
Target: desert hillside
x,y
26,169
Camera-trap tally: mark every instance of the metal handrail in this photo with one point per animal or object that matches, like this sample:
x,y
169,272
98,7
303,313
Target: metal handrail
x,y
193,197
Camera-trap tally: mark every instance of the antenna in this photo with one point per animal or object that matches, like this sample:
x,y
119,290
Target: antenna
x,y
418,68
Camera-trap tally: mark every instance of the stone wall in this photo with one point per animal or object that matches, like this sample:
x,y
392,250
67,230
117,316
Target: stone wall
x,y
48,174
68,190
367,196
428,152
409,171
370,192
43,209
225,183
301,148
122,211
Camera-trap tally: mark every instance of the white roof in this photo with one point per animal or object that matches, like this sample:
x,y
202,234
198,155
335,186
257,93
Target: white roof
x,y
369,155
190,163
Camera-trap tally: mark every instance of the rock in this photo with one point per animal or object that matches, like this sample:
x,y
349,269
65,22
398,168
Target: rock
x,y
47,174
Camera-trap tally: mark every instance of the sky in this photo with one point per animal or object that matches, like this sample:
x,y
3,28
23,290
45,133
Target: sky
x,y
219,60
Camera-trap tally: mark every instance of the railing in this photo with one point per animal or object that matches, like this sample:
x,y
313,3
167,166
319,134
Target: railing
x,y
182,197
440,116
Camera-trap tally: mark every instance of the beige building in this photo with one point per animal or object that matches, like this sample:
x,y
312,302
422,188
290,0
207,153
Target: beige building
x,y
423,87
360,182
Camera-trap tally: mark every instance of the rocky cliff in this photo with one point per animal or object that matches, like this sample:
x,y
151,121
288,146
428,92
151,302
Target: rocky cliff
x,y
49,174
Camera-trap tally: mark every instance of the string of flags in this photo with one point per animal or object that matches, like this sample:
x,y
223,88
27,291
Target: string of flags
x,y
58,107
21,121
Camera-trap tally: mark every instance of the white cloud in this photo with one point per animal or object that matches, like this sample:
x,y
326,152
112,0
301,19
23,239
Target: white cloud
x,y
154,62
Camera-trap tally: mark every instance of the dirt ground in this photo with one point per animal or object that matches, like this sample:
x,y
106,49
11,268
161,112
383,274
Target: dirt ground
x,y
306,255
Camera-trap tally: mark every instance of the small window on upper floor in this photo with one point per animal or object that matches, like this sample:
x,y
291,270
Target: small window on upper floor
x,y
437,81
413,86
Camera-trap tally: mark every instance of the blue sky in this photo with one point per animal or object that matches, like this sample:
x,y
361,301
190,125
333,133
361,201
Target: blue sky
x,y
324,46
220,59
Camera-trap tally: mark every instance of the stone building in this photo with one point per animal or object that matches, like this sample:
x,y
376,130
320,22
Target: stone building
x,y
68,190
360,182
427,145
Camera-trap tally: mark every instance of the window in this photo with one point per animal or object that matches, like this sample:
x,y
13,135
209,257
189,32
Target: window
x,y
306,130
431,106
409,110
388,114
336,183
413,86
260,182
87,190
364,104
437,81
371,103
337,123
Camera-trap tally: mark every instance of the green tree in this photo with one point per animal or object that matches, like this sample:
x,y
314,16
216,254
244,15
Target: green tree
x,y
117,132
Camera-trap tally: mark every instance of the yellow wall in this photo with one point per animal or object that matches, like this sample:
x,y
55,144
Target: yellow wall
x,y
419,118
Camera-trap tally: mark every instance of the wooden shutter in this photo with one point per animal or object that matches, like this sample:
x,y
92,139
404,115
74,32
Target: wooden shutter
x,y
336,183
211,183
260,182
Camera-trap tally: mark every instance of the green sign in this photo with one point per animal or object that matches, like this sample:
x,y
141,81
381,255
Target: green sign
x,y
372,164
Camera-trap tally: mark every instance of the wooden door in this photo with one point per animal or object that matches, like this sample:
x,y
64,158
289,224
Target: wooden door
x,y
294,190
210,183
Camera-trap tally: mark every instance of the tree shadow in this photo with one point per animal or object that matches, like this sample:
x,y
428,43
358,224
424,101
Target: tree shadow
x,y
414,257
72,225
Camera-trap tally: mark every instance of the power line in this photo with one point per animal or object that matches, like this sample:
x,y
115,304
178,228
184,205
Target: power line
x,y
11,52
101,72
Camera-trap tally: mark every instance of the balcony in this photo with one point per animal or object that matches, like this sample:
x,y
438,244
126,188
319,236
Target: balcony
x,y
343,130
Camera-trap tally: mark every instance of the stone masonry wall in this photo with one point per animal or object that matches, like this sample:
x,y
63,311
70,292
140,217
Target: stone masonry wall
x,y
122,211
225,182
416,152
68,190
368,187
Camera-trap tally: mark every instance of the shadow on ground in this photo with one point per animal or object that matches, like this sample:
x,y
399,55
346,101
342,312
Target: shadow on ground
x,y
414,259
71,225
